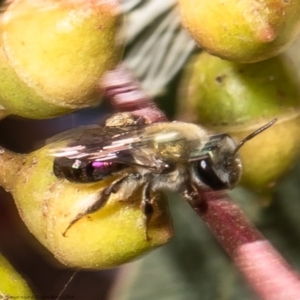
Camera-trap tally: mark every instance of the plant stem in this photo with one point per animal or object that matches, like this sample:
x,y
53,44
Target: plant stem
x,y
264,268
126,94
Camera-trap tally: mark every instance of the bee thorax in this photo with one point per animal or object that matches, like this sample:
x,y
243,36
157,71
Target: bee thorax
x,y
172,181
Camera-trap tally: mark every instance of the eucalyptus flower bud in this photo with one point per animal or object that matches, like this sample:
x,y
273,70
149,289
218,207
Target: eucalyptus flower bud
x,y
239,98
242,31
12,285
112,235
52,54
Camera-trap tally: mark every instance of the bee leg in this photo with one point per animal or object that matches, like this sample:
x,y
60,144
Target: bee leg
x,y
104,195
147,208
191,195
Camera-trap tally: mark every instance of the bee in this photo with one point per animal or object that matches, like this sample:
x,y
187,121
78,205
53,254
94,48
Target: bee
x,y
174,156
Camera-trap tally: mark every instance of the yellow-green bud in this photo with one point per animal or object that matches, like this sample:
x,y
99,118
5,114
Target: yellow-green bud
x,y
239,98
113,235
52,54
242,31
12,285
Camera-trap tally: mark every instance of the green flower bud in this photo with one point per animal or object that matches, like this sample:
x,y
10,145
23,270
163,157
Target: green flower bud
x,y
239,98
12,285
114,234
242,31
52,54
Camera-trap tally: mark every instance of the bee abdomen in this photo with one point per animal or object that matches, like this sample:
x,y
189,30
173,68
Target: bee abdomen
x,y
82,171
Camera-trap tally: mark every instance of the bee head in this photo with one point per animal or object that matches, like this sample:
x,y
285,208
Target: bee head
x,y
221,168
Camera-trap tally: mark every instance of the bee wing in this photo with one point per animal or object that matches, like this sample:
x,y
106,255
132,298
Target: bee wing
x,y
132,145
94,143
83,134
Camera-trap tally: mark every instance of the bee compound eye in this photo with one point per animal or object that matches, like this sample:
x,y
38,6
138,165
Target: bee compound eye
x,y
205,171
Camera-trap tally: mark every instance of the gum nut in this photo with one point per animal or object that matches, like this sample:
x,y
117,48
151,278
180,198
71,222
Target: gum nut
x,y
270,155
12,285
242,31
239,98
53,52
108,237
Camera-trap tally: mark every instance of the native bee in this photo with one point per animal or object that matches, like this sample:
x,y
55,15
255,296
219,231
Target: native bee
x,y
174,156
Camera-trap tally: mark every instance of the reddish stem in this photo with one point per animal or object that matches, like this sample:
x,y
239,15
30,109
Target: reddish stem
x,y
126,94
264,268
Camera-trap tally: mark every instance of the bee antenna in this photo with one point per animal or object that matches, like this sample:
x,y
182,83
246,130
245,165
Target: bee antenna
x,y
252,135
